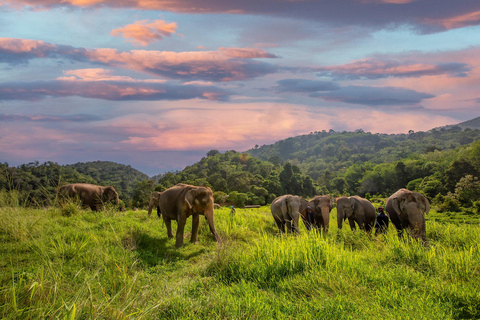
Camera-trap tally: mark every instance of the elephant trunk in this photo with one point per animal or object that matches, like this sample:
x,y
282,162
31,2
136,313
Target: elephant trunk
x,y
326,217
150,206
209,216
340,217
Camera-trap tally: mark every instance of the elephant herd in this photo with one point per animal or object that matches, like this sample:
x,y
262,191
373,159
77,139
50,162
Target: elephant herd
x,y
405,208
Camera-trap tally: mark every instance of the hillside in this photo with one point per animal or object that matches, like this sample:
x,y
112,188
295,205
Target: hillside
x,y
123,177
470,124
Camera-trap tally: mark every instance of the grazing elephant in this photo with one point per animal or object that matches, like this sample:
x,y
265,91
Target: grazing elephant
x,y
287,208
322,205
91,195
182,201
358,210
407,210
154,202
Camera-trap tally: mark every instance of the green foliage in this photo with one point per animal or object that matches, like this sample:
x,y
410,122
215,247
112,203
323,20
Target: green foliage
x,y
361,162
245,179
117,265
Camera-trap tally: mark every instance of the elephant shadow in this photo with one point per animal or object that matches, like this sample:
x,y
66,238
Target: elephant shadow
x,y
153,251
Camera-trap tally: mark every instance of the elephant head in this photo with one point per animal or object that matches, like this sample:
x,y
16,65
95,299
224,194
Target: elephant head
x,y
110,195
345,209
322,205
200,201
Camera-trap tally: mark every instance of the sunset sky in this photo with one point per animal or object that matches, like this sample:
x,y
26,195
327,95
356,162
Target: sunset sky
x,y
155,84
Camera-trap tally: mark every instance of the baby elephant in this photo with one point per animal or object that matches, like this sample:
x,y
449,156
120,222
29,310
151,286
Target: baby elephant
x,y
90,195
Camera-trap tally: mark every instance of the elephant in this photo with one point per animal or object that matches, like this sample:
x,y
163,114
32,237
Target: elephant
x,y
358,210
287,208
154,198
322,205
182,201
91,195
407,210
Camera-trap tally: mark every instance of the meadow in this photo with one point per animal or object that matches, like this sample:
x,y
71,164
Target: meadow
x,y
59,263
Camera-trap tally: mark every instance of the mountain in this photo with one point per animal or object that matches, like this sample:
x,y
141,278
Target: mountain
x,y
469,124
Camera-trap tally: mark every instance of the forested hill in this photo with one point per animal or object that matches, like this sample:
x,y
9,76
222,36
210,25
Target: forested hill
x,y
37,182
122,177
334,152
471,124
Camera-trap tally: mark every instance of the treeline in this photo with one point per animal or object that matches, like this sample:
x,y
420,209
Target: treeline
x,y
35,184
241,179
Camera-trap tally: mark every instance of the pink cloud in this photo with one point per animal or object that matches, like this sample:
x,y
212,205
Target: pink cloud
x,y
100,74
454,22
143,33
225,64
390,67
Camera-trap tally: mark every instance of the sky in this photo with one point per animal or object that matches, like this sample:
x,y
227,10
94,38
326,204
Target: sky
x,y
156,84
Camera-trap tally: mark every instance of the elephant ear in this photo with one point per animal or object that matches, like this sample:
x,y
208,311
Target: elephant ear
x,y
331,203
396,205
424,201
190,197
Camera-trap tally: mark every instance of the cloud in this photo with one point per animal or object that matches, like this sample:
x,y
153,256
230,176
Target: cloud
x,y
377,69
374,96
108,90
49,118
303,85
454,22
99,74
225,64
143,32
425,15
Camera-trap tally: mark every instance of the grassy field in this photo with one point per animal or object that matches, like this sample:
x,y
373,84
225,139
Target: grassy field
x,y
121,265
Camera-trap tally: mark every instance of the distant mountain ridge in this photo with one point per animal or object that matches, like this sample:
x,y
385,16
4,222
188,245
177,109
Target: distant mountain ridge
x,y
469,124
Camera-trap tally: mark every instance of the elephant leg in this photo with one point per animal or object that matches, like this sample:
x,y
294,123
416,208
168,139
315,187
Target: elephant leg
x,y
195,224
280,225
352,224
168,224
159,213
180,229
288,223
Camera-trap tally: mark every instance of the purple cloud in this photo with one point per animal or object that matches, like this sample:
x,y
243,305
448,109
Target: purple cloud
x,y
374,96
378,69
424,15
304,85
49,118
114,91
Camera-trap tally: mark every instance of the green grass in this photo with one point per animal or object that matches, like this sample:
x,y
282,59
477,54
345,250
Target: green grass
x,y
121,265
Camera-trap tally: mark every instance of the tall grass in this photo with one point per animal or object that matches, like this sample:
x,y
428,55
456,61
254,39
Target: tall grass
x,y
121,265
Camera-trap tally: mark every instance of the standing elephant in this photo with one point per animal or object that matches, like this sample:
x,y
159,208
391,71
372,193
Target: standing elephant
x,y
322,205
154,202
358,210
288,208
407,210
91,195
182,201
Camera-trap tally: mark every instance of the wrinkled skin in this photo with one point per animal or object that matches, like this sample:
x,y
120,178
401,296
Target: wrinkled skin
x,y
321,205
154,202
407,210
182,201
286,210
356,209
90,195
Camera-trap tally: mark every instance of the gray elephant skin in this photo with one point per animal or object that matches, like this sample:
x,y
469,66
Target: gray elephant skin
x,y
321,205
286,210
154,202
91,195
182,201
407,210
356,209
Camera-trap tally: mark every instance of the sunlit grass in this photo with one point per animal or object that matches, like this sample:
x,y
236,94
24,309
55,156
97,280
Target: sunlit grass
x,y
120,265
